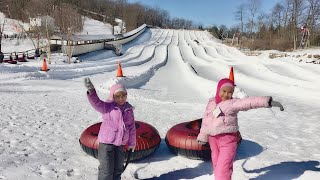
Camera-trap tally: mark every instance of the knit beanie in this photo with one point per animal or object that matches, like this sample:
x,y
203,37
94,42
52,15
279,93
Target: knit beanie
x,y
114,89
222,83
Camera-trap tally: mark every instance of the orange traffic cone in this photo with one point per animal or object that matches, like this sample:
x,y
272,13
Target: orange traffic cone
x,y
231,76
44,66
119,72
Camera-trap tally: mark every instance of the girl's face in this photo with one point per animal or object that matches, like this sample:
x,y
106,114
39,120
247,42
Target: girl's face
x,y
120,98
226,93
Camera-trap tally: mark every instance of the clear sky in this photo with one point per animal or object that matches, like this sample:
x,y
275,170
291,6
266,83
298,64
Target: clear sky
x,y
206,12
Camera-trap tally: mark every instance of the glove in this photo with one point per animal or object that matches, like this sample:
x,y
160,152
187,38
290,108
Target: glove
x,y
273,103
88,85
131,149
201,142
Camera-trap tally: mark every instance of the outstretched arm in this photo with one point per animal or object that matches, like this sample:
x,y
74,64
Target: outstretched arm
x,y
236,105
93,98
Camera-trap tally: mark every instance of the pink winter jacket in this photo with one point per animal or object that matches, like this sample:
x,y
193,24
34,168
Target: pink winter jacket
x,y
227,121
117,128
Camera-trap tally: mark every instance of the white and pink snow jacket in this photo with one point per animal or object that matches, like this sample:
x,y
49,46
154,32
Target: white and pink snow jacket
x,y
227,121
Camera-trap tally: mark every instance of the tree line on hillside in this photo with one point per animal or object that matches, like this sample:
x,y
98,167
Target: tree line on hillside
x,y
68,16
281,28
67,13
277,29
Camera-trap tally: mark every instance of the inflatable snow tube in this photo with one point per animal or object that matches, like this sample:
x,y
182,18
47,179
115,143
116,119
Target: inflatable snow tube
x,y
148,140
6,60
22,60
182,140
12,62
30,57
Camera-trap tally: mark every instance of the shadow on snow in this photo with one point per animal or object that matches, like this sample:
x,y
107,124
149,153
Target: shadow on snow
x,y
284,170
247,149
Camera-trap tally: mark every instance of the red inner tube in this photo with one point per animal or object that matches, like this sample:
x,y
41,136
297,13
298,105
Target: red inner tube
x,y
182,139
10,61
148,140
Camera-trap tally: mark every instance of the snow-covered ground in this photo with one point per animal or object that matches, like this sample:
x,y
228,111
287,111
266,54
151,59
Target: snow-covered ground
x,y
170,78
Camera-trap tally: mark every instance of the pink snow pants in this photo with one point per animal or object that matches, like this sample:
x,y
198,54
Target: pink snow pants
x,y
223,151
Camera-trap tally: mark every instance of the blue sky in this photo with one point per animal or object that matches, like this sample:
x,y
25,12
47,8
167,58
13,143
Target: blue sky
x,y
206,12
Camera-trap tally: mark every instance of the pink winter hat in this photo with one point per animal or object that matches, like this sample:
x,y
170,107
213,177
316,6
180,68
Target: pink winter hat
x,y
114,89
222,83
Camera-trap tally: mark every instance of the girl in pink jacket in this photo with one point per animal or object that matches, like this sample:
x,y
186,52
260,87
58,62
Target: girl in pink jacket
x,y
220,126
117,129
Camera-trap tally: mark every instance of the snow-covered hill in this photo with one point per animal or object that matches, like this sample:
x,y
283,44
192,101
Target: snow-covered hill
x,y
170,78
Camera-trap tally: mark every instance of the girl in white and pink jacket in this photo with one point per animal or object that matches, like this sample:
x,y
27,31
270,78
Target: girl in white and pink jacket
x,y
220,126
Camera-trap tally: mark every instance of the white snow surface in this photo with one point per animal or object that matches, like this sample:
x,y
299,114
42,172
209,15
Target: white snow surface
x,y
170,78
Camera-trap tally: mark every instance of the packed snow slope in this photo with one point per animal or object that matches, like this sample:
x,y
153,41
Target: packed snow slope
x,y
170,75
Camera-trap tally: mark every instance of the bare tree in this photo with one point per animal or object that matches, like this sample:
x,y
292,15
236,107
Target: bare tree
x,y
164,16
134,16
313,13
277,16
188,24
71,23
240,15
44,31
296,12
141,16
253,9
49,33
